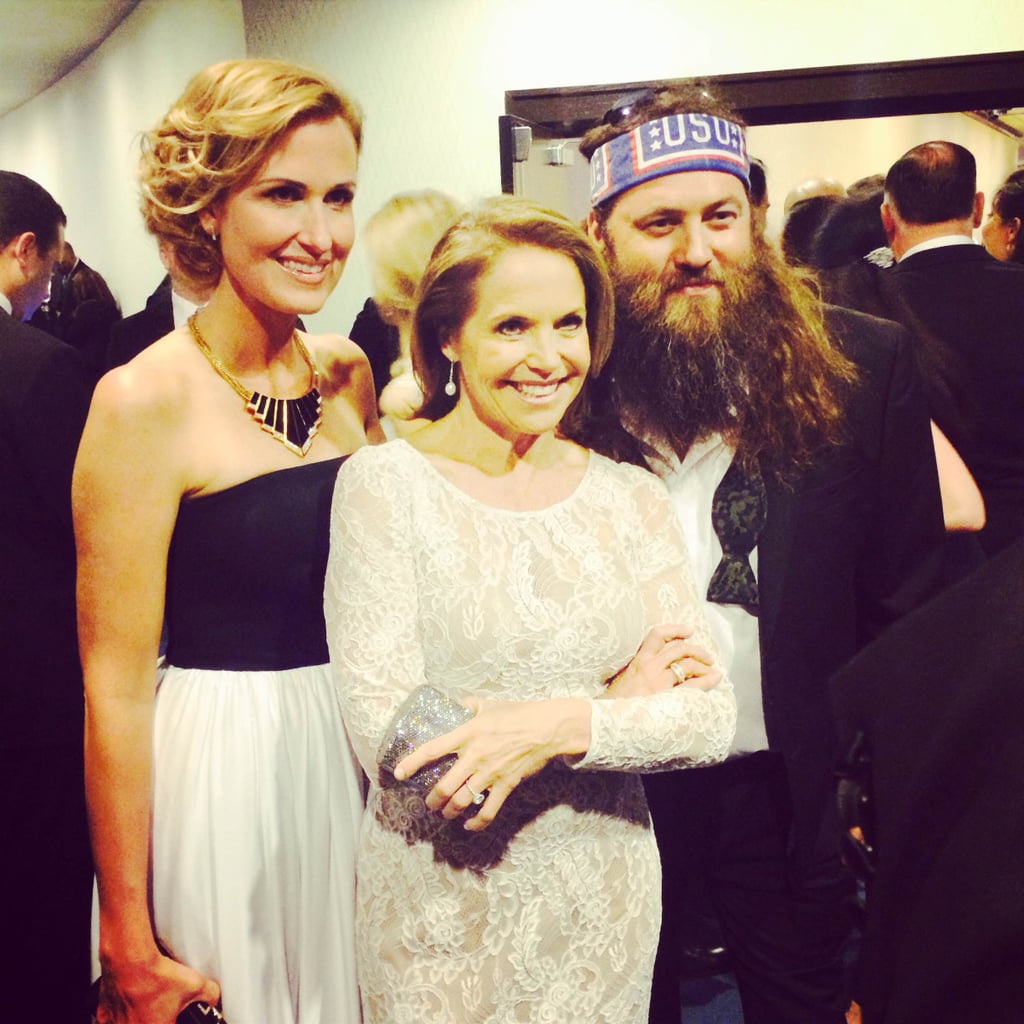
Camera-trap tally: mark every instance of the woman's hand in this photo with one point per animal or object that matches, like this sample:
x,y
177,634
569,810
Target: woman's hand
x,y
665,659
504,743
151,993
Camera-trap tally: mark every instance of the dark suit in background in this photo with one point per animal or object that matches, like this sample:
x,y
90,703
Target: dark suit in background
x,y
379,340
45,864
940,700
80,310
128,337
973,305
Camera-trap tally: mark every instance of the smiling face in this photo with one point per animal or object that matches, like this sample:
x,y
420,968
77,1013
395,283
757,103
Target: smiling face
x,y
523,353
673,241
286,233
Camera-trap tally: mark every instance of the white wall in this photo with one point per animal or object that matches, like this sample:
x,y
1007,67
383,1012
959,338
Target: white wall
x,y
80,138
853,149
431,75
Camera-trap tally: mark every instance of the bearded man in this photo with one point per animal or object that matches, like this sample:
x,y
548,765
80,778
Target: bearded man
x,y
795,443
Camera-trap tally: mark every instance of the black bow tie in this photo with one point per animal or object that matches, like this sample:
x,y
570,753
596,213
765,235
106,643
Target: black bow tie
x,y
738,516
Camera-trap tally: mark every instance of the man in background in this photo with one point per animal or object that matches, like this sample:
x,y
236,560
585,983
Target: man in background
x,y
971,307
938,726
45,864
80,309
796,447
172,302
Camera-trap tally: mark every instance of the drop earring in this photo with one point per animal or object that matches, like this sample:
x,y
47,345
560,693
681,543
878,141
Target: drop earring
x,y
449,388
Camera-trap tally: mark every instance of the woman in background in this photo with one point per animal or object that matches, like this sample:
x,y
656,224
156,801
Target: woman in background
x,y
1001,231
516,572
205,470
399,239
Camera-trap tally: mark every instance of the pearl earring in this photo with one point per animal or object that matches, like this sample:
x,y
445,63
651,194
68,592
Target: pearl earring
x,y
449,388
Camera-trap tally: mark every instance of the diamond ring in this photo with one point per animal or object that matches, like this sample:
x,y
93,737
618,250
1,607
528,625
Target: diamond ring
x,y
478,798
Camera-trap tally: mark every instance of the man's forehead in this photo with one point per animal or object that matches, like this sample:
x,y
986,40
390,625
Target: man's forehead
x,y
685,190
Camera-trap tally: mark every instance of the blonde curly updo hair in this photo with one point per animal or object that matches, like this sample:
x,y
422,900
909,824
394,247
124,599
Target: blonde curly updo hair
x,y
216,136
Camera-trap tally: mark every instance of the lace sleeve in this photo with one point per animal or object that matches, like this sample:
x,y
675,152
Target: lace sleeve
x,y
370,600
684,726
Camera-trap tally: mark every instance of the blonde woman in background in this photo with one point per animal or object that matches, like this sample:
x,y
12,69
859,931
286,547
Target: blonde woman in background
x,y
225,788
400,237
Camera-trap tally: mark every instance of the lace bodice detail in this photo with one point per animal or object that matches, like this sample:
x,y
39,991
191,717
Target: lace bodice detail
x,y
427,584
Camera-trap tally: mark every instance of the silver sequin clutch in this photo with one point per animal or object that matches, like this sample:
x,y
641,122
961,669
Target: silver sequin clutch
x,y
425,714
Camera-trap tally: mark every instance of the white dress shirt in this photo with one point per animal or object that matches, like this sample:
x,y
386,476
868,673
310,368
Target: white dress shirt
x,y
181,308
937,243
692,484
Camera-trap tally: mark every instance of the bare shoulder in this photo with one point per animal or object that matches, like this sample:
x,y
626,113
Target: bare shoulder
x,y
153,388
150,420
346,383
340,360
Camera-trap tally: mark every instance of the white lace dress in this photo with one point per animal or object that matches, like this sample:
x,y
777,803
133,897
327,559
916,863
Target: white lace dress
x,y
552,913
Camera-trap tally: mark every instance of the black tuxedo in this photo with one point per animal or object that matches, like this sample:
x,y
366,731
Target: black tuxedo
x,y
973,305
855,544
850,543
45,870
128,337
44,398
940,700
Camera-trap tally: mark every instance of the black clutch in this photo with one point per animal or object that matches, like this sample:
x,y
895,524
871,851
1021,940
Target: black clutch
x,y
194,1013
425,714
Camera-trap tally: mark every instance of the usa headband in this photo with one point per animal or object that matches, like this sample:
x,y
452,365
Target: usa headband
x,y
680,142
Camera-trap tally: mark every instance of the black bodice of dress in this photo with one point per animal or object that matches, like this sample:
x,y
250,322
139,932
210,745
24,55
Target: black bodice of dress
x,y
245,574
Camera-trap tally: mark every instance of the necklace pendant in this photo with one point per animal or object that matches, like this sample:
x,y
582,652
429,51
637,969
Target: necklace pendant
x,y
292,421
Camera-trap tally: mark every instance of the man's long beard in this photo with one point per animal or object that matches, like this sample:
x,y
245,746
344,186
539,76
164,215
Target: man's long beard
x,y
683,365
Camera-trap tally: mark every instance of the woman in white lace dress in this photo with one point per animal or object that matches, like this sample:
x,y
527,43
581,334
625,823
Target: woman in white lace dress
x,y
548,589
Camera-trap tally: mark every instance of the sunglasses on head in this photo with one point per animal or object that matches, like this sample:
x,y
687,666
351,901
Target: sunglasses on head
x,y
625,106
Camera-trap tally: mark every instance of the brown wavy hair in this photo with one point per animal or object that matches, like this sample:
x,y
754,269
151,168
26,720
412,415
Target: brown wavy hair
x,y
467,251
216,136
1008,202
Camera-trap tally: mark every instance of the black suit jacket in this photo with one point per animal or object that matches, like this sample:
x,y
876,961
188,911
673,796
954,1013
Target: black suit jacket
x,y
940,700
44,397
128,337
850,544
974,305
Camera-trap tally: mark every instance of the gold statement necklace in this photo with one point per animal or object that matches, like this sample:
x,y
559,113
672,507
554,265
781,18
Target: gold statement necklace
x,y
292,421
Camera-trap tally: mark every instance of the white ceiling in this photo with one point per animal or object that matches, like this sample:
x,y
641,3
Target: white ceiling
x,y
42,40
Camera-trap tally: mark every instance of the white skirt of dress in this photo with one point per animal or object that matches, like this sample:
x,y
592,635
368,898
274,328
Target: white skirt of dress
x,y
256,810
